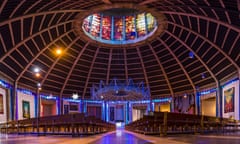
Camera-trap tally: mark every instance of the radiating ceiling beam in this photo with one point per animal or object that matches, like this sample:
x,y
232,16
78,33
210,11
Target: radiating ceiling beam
x,y
28,38
143,67
179,63
56,61
10,20
125,63
72,68
210,42
147,2
89,73
3,5
39,53
162,69
205,18
109,66
195,54
16,8
107,1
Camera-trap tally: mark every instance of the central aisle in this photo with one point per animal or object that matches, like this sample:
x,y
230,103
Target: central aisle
x,y
120,137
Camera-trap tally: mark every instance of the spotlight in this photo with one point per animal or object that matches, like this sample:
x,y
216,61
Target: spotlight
x,y
191,55
37,74
38,84
75,96
36,70
58,51
185,96
203,75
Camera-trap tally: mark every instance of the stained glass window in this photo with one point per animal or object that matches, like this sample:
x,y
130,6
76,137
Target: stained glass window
x,y
150,22
130,28
141,25
95,27
87,23
118,28
106,27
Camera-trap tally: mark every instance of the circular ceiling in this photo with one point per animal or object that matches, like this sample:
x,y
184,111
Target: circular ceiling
x,y
195,47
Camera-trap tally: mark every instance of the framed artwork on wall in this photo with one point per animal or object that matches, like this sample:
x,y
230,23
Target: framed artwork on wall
x,y
229,100
1,104
26,109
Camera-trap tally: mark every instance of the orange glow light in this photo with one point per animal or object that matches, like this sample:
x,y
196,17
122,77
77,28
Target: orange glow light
x,y
37,74
58,51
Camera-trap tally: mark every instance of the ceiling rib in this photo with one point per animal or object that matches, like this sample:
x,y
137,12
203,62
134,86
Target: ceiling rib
x,y
89,73
205,18
109,66
184,44
143,68
3,5
73,66
28,38
18,6
210,42
125,63
179,63
10,20
55,62
39,53
163,70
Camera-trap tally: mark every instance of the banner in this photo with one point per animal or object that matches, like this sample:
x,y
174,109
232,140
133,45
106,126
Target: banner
x,y
1,104
229,100
26,109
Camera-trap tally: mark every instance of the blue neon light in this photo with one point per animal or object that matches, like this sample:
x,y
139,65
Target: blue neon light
x,y
71,100
208,91
230,82
5,84
48,97
162,100
26,92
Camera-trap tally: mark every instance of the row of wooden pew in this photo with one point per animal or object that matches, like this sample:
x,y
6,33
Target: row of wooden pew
x,y
69,124
164,123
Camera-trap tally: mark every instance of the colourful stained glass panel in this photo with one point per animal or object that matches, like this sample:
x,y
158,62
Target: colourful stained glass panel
x,y
106,27
150,22
95,28
130,28
87,24
118,28
141,25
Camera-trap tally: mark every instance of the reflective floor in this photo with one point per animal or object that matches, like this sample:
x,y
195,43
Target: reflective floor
x,y
122,137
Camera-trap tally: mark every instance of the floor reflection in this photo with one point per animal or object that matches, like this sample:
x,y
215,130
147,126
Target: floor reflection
x,y
120,137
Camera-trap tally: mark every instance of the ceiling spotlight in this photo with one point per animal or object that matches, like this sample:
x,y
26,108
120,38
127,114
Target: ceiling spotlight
x,y
203,75
58,51
37,74
75,96
185,96
39,88
39,85
36,70
102,96
191,55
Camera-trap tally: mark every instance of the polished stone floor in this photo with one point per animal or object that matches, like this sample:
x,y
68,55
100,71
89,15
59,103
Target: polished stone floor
x,y
122,137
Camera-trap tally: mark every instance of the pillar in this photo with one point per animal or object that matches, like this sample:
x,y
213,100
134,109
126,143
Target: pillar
x,y
218,100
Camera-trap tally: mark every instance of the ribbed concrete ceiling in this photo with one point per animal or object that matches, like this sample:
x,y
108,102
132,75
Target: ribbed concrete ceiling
x,y
30,30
